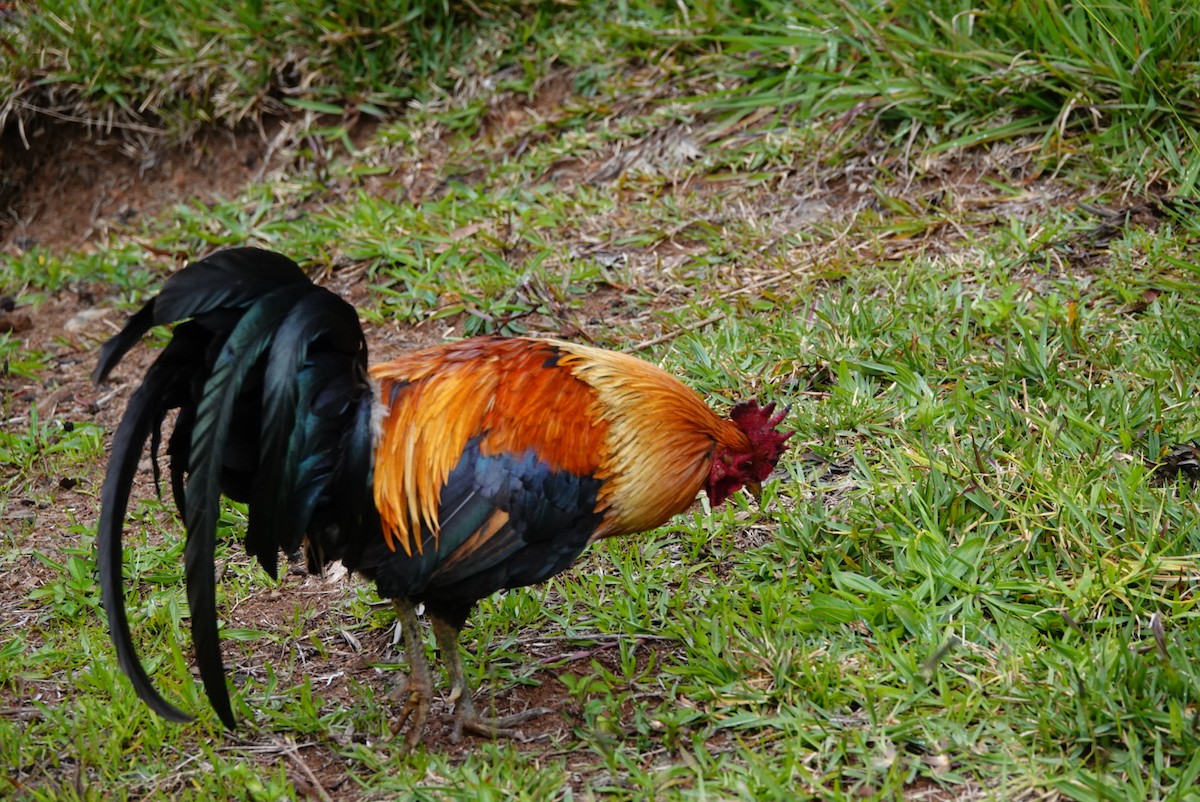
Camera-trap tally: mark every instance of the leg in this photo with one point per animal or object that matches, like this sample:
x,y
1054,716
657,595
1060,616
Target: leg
x,y
417,691
465,717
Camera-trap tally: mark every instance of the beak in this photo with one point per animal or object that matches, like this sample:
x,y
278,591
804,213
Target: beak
x,y
754,489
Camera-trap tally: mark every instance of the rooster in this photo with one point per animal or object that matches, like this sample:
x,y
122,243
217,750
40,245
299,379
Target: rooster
x,y
443,476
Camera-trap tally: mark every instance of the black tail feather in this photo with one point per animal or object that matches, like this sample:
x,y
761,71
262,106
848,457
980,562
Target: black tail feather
x,y
288,388
115,349
231,279
269,377
226,279
143,414
239,355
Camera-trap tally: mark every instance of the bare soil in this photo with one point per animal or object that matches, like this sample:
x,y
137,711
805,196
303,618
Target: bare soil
x,y
64,185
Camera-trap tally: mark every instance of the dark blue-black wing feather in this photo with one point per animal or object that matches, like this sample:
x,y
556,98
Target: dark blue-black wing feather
x,y
506,521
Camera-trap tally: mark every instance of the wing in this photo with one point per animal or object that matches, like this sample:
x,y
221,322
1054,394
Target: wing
x,y
488,470
505,521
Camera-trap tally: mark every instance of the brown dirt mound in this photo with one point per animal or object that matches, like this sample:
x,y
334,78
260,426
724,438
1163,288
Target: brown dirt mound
x,y
63,185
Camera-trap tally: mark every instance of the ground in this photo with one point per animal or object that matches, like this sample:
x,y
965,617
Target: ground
x,y
76,188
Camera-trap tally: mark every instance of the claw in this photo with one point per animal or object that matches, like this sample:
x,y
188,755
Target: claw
x,y
414,711
503,727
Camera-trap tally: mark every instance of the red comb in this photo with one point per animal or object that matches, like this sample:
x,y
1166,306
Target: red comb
x,y
767,441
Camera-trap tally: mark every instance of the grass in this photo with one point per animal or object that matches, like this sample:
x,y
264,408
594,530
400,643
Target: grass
x,y
975,576
955,74
170,69
1095,81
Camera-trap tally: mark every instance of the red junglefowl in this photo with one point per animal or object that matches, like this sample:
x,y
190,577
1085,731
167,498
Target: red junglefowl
x,y
444,476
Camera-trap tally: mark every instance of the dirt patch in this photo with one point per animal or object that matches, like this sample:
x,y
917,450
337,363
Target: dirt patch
x,y
346,666
65,185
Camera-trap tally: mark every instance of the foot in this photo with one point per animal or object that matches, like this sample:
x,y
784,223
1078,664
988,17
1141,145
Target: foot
x,y
414,697
465,717
467,720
